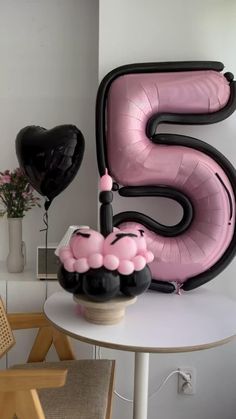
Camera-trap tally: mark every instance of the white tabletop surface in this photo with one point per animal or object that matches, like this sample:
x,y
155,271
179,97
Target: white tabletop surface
x,y
157,322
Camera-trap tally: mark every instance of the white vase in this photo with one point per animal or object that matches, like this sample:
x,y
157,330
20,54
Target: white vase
x,y
16,256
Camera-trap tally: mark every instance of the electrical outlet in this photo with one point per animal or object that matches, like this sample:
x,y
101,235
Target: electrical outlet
x,y
187,385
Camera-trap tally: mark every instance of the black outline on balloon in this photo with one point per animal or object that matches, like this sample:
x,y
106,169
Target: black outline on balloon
x,y
170,139
135,69
157,191
182,140
106,212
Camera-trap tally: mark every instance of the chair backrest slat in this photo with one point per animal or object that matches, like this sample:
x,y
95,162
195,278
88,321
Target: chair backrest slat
x,y
6,337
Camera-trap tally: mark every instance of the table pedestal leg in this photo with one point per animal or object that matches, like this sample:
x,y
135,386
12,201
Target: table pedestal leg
x,y
141,373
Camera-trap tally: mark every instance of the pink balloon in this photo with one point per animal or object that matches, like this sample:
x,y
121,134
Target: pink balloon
x,y
126,267
115,229
111,262
139,262
106,182
95,260
120,245
64,254
81,265
69,265
140,239
149,256
86,242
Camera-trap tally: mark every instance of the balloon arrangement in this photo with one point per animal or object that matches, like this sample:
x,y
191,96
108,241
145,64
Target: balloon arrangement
x,y
100,265
103,265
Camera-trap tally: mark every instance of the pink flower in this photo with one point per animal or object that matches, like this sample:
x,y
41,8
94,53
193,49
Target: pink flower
x,y
16,195
5,179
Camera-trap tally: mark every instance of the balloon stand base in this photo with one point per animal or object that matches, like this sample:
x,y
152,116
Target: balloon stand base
x,y
105,313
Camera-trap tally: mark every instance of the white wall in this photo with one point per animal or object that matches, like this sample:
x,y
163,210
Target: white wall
x,y
152,30
48,77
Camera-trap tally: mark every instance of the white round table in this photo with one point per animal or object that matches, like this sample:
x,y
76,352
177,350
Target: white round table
x,y
157,322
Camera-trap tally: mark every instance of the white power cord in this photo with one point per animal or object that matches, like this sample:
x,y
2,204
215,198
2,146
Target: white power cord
x,y
186,378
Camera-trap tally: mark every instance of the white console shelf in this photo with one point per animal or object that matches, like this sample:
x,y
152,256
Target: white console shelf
x,y
26,275
23,292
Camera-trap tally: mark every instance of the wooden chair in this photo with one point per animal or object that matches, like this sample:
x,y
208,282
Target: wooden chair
x,y
68,389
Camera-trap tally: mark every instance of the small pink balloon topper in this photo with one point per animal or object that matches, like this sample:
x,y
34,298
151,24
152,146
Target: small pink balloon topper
x,y
106,182
86,242
83,252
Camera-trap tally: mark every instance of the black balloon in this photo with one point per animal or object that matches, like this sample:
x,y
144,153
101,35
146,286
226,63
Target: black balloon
x,y
101,284
70,281
50,158
135,283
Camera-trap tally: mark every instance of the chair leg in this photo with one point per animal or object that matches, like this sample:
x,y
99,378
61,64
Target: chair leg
x,y
63,346
110,394
41,345
28,405
7,405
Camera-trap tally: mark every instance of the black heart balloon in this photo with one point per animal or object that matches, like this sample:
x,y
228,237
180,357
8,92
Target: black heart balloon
x,y
50,158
